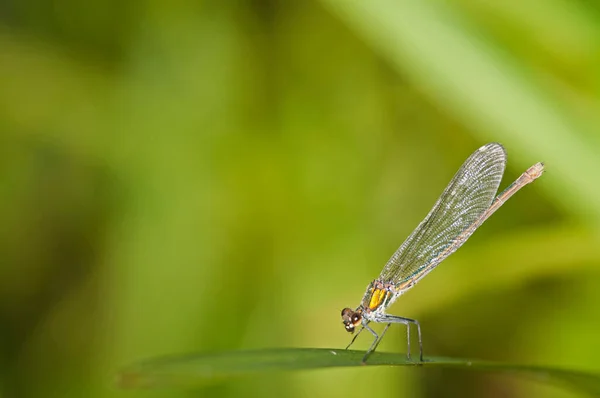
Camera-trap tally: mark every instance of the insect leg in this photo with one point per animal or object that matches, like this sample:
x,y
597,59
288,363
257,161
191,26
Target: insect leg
x,y
355,336
386,318
375,342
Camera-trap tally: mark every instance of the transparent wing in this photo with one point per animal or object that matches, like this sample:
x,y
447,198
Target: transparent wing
x,y
446,227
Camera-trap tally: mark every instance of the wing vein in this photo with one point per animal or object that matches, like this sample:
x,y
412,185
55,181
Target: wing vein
x,y
447,226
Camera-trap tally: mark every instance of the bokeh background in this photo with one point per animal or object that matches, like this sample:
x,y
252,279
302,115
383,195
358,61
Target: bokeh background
x,y
185,176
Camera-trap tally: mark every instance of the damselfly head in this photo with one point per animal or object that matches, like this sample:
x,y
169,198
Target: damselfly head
x,y
351,319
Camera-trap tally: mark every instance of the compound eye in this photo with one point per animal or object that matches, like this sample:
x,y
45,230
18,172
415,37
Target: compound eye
x,y
355,318
347,313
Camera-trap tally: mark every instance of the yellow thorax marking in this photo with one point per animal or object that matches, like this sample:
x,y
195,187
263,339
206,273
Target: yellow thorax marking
x,y
377,298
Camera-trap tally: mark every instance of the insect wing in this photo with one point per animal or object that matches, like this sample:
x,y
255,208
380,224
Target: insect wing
x,y
468,195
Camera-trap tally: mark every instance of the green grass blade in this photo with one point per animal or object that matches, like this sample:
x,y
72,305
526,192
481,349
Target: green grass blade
x,y
475,79
188,371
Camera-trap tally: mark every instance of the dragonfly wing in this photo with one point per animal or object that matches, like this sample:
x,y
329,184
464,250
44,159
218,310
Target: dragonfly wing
x,y
468,195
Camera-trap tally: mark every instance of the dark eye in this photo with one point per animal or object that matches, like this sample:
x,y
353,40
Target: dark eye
x,y
355,318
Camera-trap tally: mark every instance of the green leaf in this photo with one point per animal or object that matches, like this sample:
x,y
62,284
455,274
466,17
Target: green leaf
x,y
188,371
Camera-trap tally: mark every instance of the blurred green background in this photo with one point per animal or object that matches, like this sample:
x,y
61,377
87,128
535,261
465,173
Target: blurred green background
x,y
202,176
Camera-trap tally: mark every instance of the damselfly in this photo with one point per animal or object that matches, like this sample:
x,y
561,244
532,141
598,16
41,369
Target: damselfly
x,y
468,200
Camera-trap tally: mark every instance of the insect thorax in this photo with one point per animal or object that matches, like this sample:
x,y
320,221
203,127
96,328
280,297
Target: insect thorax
x,y
378,296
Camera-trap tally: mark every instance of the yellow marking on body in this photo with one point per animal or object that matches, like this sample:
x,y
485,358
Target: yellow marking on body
x,y
377,298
